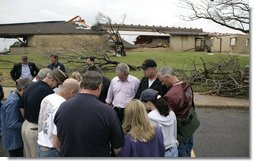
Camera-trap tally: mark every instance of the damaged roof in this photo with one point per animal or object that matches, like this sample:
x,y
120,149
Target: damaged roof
x,y
63,28
43,28
160,29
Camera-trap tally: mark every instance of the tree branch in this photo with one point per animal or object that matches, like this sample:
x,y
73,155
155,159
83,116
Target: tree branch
x,y
233,14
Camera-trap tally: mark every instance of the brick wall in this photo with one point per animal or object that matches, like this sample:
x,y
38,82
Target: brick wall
x,y
58,43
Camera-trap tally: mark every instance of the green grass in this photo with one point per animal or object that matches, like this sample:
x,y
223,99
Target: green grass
x,y
177,60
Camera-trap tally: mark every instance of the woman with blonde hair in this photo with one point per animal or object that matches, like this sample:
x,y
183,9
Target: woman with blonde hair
x,y
76,75
141,138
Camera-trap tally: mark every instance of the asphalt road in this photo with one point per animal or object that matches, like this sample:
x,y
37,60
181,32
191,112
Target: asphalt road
x,y
223,133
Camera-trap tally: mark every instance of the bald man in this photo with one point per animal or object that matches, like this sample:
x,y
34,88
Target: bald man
x,y
49,107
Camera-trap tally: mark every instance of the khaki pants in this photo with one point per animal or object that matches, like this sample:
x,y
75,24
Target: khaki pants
x,y
29,134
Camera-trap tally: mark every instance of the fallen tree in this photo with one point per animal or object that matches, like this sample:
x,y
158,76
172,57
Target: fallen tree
x,y
225,78
84,48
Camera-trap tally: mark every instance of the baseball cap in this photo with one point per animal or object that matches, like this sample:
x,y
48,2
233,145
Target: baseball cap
x,y
59,75
148,95
148,63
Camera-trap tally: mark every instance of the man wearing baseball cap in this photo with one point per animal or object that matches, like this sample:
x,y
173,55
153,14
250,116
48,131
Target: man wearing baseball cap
x,y
33,96
150,79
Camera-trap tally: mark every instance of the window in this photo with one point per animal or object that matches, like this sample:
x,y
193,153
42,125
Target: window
x,y
247,42
212,41
233,41
198,42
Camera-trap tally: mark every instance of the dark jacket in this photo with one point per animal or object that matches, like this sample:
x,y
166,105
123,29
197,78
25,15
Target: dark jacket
x,y
104,91
162,90
17,68
1,93
58,65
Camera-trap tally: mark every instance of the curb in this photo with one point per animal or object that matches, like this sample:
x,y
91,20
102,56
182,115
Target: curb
x,y
207,101
223,106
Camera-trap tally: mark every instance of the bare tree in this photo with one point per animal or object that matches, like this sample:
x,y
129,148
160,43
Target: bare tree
x,y
233,14
113,34
98,47
83,48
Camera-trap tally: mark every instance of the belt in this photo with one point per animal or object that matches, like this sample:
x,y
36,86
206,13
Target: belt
x,y
33,128
169,149
118,108
43,148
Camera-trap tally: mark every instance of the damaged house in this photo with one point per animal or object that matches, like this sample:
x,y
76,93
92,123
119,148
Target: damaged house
x,y
175,39
229,43
44,37
61,36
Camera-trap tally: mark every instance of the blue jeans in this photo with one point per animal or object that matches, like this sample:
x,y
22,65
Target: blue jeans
x,y
47,152
172,153
185,147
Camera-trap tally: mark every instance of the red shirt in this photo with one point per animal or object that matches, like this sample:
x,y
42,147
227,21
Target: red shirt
x,y
180,99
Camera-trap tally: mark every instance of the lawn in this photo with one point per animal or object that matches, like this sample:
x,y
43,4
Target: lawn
x,y
177,60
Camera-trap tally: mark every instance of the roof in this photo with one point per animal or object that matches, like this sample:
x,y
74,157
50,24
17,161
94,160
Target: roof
x,y
43,28
143,33
217,34
62,27
188,33
160,29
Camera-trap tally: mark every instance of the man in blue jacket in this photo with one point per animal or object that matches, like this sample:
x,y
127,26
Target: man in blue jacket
x,y
55,64
12,120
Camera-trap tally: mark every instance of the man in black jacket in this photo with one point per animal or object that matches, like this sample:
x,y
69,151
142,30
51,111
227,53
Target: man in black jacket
x,y
150,79
24,69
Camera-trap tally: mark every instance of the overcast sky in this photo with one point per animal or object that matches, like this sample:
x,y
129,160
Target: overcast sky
x,y
144,12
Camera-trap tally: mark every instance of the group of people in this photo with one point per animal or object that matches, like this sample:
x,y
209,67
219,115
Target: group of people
x,y
93,116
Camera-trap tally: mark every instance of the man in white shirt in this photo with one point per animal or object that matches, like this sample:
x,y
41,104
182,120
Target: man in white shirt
x,y
49,107
24,69
122,89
